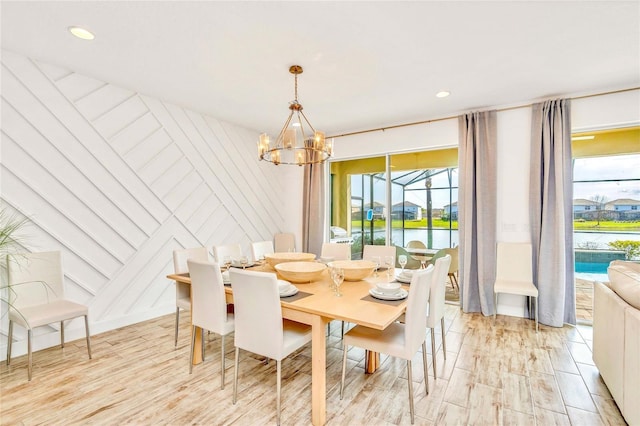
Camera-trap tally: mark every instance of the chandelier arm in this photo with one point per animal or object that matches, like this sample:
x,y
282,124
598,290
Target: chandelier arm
x,y
304,136
307,120
280,138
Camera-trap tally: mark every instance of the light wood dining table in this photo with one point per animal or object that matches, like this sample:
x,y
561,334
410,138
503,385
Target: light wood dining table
x,y
317,310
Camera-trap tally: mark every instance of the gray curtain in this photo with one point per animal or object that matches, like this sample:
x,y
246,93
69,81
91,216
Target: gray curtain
x,y
551,207
477,210
313,208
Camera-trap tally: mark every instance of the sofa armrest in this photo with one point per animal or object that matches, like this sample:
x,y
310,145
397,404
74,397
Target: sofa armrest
x,y
609,339
632,366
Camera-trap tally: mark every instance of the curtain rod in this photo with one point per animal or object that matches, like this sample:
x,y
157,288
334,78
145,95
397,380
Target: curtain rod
x,y
415,123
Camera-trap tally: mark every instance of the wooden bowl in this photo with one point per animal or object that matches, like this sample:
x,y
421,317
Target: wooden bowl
x,y
275,258
300,272
354,270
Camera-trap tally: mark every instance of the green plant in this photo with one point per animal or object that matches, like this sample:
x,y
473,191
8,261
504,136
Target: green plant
x,y
631,248
12,242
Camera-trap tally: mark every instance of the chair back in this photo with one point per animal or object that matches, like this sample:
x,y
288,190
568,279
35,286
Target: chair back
x,y
35,278
416,314
382,251
257,311
438,290
234,251
337,251
514,262
416,244
453,252
284,242
412,262
208,305
260,248
181,256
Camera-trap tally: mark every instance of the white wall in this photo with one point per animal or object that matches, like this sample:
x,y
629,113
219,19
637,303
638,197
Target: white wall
x,y
514,133
117,180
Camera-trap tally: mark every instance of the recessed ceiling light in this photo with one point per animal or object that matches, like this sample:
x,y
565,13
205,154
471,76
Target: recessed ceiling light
x,y
442,94
81,33
582,138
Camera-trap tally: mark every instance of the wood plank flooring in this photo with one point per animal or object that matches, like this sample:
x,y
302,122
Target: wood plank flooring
x,y
494,374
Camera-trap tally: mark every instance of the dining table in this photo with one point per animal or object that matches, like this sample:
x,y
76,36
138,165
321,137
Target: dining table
x,y
316,305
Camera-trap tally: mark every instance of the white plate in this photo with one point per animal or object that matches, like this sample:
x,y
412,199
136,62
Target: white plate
x,y
293,290
401,294
239,265
403,279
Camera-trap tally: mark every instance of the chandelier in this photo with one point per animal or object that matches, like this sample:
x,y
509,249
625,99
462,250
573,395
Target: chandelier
x,y
298,142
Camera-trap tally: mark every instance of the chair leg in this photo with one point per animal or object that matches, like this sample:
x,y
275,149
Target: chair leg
x,y
410,389
425,367
86,328
177,322
344,368
30,355
9,341
536,314
278,386
342,331
495,306
62,334
222,362
433,352
193,344
235,376
444,342
202,341
328,329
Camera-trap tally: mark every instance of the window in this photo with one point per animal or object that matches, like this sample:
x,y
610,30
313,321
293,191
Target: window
x,y
416,199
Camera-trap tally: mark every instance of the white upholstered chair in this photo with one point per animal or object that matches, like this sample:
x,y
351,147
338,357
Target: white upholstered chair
x,y
514,273
398,340
36,297
337,251
284,242
436,305
454,267
234,251
183,291
209,307
260,248
260,327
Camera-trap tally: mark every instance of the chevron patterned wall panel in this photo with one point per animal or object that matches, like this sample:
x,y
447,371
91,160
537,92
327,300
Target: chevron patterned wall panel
x,y
117,180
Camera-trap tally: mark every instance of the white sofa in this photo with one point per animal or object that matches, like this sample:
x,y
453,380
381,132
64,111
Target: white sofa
x,y
616,336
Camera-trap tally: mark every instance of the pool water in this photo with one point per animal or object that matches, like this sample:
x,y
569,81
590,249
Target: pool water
x,y
592,267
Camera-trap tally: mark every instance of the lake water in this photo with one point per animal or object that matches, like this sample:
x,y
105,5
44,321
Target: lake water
x,y
442,238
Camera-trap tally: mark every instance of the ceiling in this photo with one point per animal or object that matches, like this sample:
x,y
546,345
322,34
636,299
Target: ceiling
x,y
366,64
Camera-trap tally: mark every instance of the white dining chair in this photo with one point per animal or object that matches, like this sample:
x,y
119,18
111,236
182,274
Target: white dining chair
x,y
183,291
336,251
234,251
209,307
284,242
454,267
514,274
398,339
436,305
36,298
260,327
260,248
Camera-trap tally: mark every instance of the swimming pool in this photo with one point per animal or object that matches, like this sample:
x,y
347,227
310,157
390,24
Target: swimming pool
x,y
592,267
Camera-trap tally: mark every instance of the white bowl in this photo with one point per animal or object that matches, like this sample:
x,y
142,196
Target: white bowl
x,y
283,285
388,288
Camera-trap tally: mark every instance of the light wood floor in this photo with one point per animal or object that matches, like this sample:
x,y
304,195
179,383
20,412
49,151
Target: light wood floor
x,y
494,374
